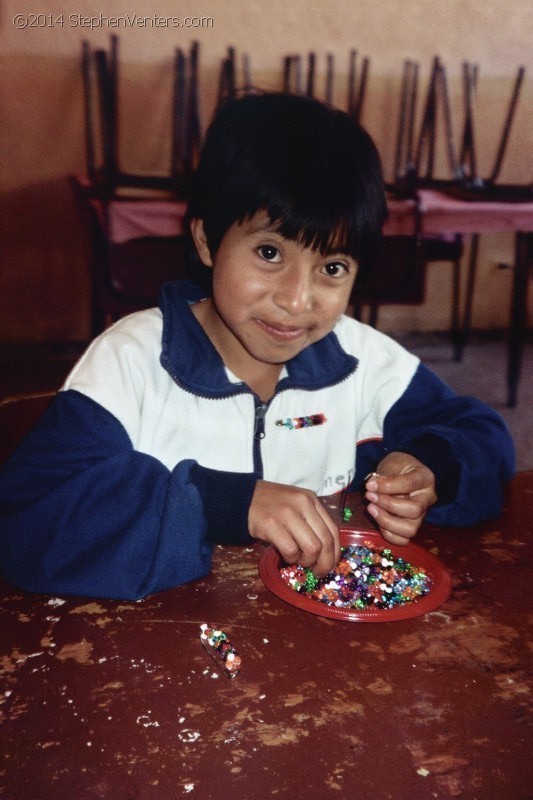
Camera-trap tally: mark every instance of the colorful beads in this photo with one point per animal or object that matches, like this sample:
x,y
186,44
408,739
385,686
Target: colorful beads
x,y
301,422
221,650
365,577
347,514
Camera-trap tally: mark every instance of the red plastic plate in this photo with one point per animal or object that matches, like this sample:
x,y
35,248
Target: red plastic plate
x,y
441,583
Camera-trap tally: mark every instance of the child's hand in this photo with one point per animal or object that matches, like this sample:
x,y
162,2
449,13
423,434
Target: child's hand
x,y
400,496
297,524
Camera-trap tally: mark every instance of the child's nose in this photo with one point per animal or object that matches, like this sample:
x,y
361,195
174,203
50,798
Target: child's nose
x,y
295,293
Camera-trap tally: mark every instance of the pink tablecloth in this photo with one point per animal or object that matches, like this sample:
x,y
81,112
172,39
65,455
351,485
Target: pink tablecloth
x,y
440,215
138,218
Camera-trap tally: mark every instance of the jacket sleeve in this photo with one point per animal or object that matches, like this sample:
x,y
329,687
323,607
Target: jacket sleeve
x,y
82,512
463,441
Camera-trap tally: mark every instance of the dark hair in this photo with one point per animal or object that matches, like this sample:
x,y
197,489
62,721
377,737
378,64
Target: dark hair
x,y
312,168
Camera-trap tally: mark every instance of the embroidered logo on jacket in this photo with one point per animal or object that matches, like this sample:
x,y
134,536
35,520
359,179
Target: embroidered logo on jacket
x,y
295,423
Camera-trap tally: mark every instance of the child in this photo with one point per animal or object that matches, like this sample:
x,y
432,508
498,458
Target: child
x,y
222,419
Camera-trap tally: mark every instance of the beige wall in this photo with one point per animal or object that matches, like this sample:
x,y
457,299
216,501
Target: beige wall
x,y
44,244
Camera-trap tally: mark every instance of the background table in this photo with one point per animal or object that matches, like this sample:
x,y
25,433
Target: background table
x,y
440,215
119,700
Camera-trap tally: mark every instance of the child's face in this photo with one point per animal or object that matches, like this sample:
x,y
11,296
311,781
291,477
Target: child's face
x,y
272,297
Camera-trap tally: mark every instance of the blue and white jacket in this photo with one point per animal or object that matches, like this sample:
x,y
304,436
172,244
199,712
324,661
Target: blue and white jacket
x,y
149,454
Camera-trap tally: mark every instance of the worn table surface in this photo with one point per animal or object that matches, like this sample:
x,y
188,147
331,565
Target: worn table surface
x,y
119,700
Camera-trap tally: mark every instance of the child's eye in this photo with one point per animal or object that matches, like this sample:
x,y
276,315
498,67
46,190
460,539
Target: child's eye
x,y
269,253
335,269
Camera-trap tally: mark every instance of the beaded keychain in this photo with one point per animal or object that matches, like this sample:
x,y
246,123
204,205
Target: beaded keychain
x,y
219,647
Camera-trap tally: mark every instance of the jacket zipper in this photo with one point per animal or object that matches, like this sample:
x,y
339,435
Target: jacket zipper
x,y
260,410
259,420
259,434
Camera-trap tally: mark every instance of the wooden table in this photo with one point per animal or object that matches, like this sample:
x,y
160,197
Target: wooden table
x,y
119,700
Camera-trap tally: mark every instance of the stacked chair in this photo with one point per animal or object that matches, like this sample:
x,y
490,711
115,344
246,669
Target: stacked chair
x,y
399,278
410,163
135,218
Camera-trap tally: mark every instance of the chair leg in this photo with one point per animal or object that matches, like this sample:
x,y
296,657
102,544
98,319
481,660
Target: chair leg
x,y
517,333
372,313
464,334
455,323
373,318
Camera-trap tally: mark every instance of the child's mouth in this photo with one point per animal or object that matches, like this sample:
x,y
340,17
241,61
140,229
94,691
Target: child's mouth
x,y
283,333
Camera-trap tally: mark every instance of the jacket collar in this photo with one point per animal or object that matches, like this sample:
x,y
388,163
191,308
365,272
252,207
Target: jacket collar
x,y
192,360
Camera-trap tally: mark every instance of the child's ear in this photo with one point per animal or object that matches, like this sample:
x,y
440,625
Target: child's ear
x,y
200,240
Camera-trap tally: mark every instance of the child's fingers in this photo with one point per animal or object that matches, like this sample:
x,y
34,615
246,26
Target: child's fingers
x,y
399,496
395,538
402,485
288,546
315,555
408,494
302,544
297,524
317,538
401,506
333,531
396,529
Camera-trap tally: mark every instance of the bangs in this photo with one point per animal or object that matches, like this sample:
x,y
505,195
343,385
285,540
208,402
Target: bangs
x,y
337,234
